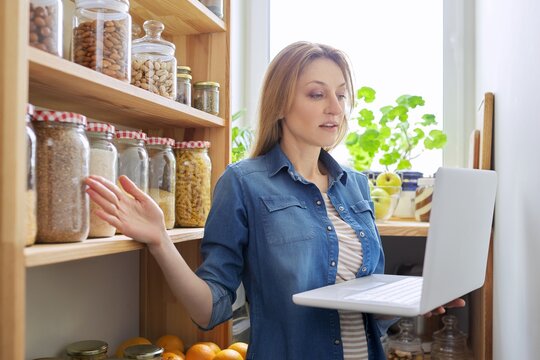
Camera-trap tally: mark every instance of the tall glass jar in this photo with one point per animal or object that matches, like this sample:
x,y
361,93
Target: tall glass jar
x,y
405,345
103,162
31,199
133,157
87,350
143,352
162,176
423,198
193,179
153,63
449,343
183,88
206,96
102,37
215,6
62,165
46,25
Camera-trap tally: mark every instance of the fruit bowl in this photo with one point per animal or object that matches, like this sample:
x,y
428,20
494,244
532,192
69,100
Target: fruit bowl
x,y
385,199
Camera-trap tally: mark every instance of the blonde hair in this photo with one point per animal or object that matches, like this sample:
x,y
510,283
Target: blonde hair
x,y
280,84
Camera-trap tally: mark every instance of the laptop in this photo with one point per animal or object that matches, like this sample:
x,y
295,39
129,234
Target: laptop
x,y
455,257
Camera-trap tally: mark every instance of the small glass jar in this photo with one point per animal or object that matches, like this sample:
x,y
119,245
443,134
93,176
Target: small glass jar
x,y
146,351
206,96
103,162
162,176
46,25
215,6
63,156
102,37
153,65
182,69
133,157
87,350
193,181
31,198
449,343
405,344
423,198
183,88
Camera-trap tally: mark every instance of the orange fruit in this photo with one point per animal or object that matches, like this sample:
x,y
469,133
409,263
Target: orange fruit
x,y
133,341
228,354
215,348
170,342
170,356
241,347
179,353
200,352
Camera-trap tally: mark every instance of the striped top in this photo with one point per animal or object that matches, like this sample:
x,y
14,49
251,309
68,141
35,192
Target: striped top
x,y
353,334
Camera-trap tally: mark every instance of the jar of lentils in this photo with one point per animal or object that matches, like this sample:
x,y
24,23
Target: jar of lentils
x,y
146,351
162,176
103,162
87,350
133,157
62,162
102,37
206,96
46,25
193,181
31,199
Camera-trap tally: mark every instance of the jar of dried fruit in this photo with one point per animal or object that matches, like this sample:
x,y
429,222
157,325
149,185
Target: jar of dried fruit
x,y
87,350
206,96
46,25
31,199
62,165
102,37
193,175
133,157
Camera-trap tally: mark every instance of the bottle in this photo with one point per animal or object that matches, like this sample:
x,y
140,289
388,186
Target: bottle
x,y
133,157
449,343
46,25
146,351
87,350
31,198
423,198
405,344
206,96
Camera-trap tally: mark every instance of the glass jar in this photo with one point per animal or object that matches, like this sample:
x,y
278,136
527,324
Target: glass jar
x,y
103,162
102,37
46,25
162,176
206,96
183,88
62,162
182,69
146,351
405,344
215,6
133,157
193,179
87,350
423,198
409,183
153,63
449,343
31,198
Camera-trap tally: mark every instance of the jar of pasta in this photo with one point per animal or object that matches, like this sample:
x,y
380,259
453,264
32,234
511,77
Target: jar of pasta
x,y
62,166
87,350
103,162
206,96
133,157
162,176
46,25
31,199
146,351
193,173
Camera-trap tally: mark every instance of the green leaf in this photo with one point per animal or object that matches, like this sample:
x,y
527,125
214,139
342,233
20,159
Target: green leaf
x,y
415,101
366,118
398,111
429,119
369,141
352,138
404,164
366,93
436,140
389,158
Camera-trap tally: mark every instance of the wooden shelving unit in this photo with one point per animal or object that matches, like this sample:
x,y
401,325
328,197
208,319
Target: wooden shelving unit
x,y
402,227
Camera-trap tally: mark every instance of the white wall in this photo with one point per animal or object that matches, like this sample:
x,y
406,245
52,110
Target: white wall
x,y
508,64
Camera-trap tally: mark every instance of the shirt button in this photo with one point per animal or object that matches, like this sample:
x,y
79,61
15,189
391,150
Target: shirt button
x,y
337,342
364,269
329,228
341,208
318,202
362,234
333,263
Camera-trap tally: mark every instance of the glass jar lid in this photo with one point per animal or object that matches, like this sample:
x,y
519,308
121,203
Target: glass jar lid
x,y
426,181
406,339
152,42
182,69
160,141
146,351
204,84
184,76
192,145
87,347
126,134
59,116
450,333
100,127
116,5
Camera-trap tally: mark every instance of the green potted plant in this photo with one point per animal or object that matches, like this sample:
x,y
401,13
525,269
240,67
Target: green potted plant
x,y
241,138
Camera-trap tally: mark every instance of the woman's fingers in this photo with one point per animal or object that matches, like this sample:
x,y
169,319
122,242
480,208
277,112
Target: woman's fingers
x,y
105,188
112,220
132,189
105,204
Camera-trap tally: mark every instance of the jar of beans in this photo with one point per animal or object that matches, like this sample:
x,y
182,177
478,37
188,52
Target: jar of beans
x,y
102,37
103,162
193,175
153,65
62,164
87,350
46,25
162,176
31,199
206,96
133,157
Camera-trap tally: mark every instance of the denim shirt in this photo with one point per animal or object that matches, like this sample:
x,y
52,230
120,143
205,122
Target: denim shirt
x,y
268,227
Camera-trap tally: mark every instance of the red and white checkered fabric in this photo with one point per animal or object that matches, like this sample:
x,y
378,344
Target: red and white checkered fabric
x,y
59,116
100,127
159,141
192,145
126,134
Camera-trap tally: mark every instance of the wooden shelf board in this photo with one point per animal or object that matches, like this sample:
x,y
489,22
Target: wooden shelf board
x,y
46,254
403,227
63,85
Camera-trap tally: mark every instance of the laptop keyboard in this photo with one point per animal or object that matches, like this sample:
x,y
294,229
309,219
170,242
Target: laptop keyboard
x,y
406,292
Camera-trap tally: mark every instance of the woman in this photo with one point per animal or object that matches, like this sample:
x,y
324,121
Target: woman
x,y
286,220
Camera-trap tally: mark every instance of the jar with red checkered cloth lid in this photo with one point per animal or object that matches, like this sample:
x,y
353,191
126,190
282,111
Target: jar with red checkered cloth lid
x,y
193,180
161,179
31,200
62,163
133,157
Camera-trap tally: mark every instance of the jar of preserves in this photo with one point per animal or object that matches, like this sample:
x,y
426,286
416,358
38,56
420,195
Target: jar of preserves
x,y
133,157
405,344
183,89
215,6
102,37
63,156
153,63
206,96
423,198
87,350
162,176
46,25
193,179
145,351
31,198
103,162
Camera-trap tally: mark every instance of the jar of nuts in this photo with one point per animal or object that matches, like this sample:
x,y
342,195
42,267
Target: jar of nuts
x,y
31,199
206,96
87,350
102,37
193,174
46,25
133,157
153,65
405,345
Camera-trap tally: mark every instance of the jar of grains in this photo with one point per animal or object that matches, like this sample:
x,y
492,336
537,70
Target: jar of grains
x,y
87,350
193,172
46,25
62,165
183,89
133,157
146,351
103,162
206,96
153,63
102,37
31,199
162,176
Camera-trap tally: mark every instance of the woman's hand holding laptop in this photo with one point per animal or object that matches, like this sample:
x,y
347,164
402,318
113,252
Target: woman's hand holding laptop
x,y
457,303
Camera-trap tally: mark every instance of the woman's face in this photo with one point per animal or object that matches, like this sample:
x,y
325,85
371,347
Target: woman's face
x,y
318,105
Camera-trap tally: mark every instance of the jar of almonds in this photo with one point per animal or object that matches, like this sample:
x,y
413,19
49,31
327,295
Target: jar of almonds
x,y
46,25
102,37
153,65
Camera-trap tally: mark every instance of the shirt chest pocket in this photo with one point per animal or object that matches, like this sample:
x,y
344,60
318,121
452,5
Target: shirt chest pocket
x,y
286,220
364,214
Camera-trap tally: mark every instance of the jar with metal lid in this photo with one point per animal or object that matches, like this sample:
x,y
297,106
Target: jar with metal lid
x,y
31,198
423,198
146,351
206,96
87,350
215,6
133,157
46,25
193,181
449,343
183,89
103,162
405,344
183,69
102,37
153,63
162,176
63,156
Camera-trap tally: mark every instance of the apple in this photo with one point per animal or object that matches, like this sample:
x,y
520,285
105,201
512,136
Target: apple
x,y
382,201
391,182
